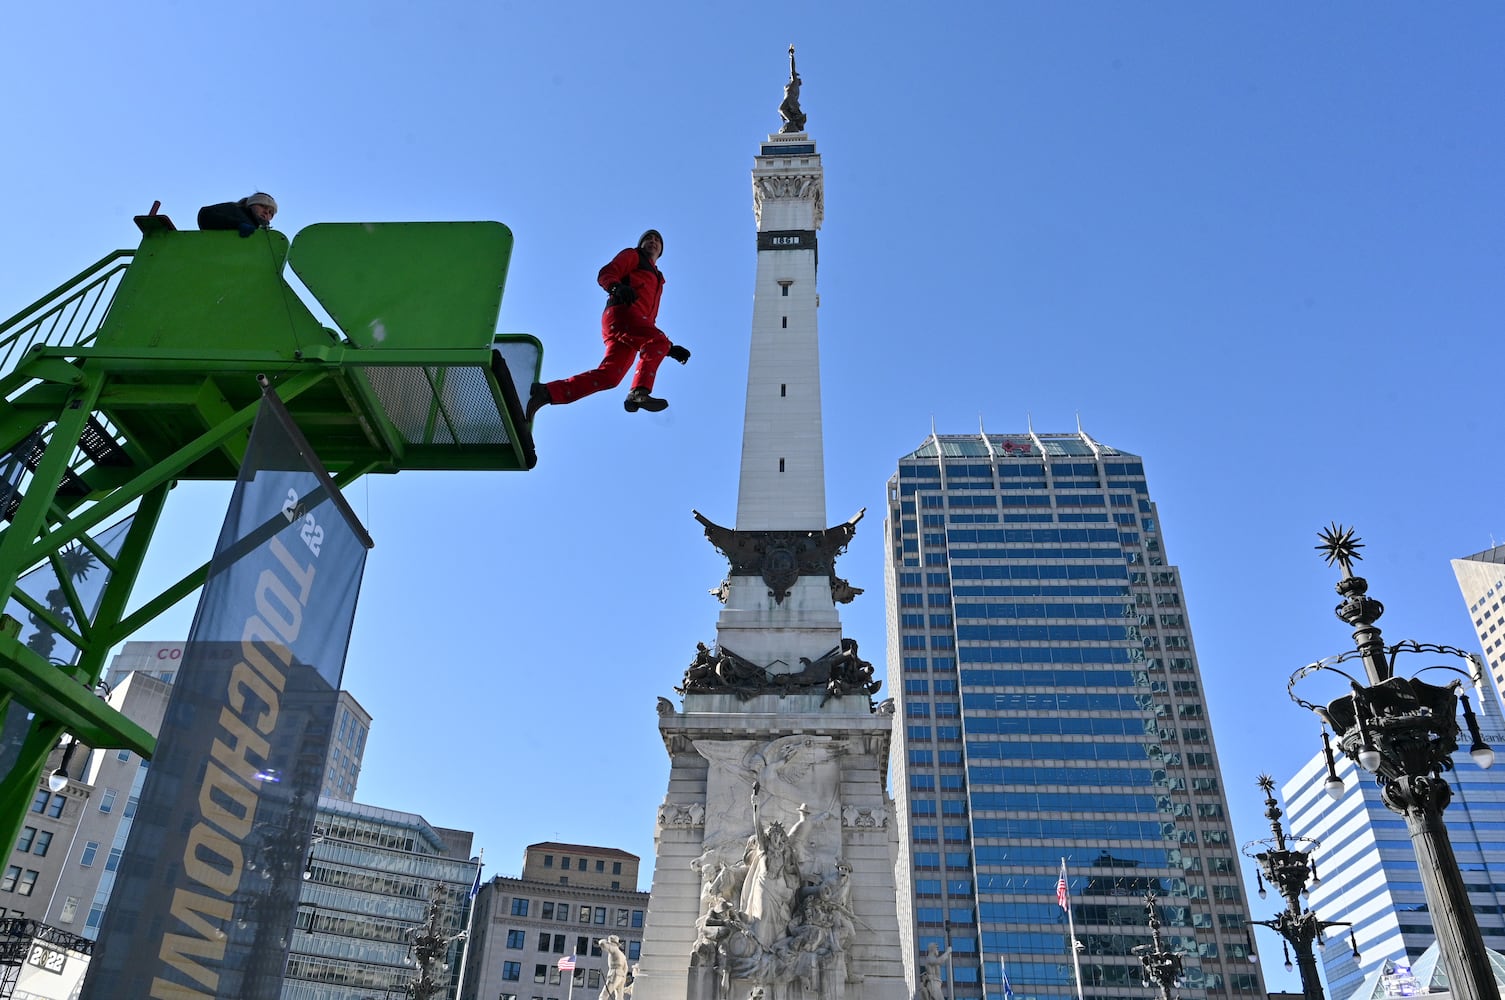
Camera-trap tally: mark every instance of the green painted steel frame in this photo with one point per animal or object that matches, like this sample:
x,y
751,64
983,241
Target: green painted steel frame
x,y
65,379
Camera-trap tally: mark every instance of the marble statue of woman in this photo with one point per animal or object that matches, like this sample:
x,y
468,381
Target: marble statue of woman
x,y
773,875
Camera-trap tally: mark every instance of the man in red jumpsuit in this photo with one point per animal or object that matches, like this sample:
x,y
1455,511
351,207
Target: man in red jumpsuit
x,y
633,285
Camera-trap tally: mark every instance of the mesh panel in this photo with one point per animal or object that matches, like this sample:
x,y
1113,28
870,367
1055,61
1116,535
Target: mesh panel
x,y
465,411
406,397
467,399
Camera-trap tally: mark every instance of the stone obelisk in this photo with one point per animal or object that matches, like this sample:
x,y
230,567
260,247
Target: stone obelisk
x,y
774,874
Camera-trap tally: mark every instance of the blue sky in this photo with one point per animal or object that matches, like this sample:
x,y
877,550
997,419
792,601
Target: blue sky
x,y
1259,245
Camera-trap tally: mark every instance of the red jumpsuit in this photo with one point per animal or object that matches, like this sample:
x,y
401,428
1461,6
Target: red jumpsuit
x,y
628,332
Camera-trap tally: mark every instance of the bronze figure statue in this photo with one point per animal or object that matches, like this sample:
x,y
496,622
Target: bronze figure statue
x,y
789,110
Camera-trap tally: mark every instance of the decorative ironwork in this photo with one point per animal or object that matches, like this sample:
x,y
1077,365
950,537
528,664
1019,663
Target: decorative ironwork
x,y
782,557
1405,732
1286,863
429,947
1161,966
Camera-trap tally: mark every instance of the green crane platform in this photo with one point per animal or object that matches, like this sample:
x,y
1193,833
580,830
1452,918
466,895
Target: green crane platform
x,y
142,371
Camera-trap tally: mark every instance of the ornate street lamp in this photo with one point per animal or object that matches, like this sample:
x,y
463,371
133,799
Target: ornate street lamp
x,y
1162,967
1286,863
1405,731
430,945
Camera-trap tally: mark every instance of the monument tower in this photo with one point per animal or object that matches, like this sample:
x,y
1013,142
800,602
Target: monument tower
x,y
775,844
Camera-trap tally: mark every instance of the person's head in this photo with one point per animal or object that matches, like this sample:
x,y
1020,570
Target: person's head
x,y
262,206
652,242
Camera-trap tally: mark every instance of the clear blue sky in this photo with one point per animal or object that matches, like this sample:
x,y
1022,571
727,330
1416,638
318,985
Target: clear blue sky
x,y
1260,245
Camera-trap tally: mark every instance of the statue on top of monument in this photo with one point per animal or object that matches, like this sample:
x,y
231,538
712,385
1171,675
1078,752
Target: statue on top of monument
x,y
789,110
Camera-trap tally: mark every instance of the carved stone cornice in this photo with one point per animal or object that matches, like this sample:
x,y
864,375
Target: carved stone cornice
x,y
793,187
782,557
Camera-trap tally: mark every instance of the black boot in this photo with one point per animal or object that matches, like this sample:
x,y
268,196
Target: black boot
x,y
638,399
679,353
538,397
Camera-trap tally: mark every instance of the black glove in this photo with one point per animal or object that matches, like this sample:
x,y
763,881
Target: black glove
x,y
245,229
621,294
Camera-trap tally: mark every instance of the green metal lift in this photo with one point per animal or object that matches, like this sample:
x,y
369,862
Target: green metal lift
x,y
142,371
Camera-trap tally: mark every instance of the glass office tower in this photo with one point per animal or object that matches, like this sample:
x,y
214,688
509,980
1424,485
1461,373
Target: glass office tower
x,y
1051,706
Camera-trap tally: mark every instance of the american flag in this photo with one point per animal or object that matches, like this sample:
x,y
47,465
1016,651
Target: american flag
x,y
1061,894
567,963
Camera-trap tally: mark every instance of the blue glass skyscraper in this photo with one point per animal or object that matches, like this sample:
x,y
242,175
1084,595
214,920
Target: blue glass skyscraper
x,y
1051,706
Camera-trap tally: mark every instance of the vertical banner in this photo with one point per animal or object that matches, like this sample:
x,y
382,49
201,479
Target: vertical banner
x,y
206,895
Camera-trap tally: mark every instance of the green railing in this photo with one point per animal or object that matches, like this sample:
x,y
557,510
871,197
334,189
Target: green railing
x,y
68,315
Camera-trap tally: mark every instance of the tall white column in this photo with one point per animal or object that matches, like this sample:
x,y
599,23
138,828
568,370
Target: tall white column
x,y
783,482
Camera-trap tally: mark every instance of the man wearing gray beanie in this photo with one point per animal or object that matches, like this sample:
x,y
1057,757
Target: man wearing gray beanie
x,y
633,286
251,213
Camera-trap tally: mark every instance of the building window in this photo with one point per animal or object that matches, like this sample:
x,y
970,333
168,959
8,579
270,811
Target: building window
x,y
548,911
637,918
86,859
585,914
540,973
622,916
12,873
548,861
512,971
543,941
601,915
515,938
55,810
107,803
28,882
784,322
519,907
600,866
69,910
23,842
616,867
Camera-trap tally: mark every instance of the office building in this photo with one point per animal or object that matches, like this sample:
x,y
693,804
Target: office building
x,y
567,899
347,744
1052,705
1481,578
367,887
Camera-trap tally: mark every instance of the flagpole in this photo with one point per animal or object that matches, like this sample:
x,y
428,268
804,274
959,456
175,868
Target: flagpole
x,y
470,917
1076,958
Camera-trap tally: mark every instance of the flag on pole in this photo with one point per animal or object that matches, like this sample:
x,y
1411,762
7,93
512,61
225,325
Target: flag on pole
x,y
475,886
567,963
1008,991
1061,894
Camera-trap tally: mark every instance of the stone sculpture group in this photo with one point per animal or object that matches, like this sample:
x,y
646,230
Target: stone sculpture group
x,y
773,918
775,903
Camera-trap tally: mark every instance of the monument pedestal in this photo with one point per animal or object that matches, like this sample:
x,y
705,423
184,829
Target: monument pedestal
x,y
725,917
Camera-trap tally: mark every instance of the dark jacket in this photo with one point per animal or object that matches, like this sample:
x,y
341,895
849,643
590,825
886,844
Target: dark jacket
x,y
226,215
632,266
